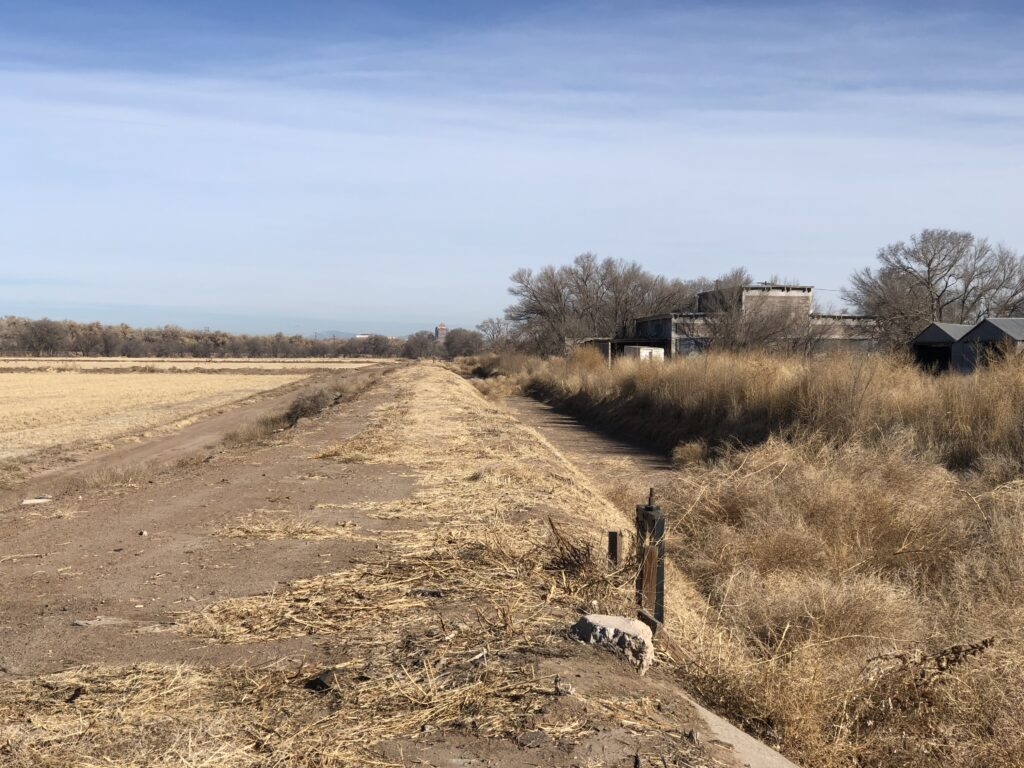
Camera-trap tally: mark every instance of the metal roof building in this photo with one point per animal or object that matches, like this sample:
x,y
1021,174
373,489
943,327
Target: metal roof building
x,y
997,329
944,346
939,348
991,338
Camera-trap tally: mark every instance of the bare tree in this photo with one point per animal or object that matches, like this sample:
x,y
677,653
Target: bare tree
x,y
420,344
939,275
44,337
735,319
496,332
590,297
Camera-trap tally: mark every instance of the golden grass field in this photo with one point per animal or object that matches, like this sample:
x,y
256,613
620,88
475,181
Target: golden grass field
x,y
45,409
855,529
184,363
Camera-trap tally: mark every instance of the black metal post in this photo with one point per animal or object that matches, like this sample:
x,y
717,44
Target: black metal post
x,y
616,543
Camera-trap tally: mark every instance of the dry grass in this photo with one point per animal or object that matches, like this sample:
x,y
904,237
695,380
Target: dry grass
x,y
963,421
815,560
274,524
305,405
856,537
40,410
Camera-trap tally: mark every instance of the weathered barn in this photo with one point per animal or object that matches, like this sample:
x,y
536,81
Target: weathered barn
x,y
990,339
938,347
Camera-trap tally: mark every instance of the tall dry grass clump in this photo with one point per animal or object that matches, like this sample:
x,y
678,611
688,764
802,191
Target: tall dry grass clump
x,y
855,528
744,398
862,602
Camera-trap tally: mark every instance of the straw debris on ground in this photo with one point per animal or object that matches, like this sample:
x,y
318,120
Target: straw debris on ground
x,y
442,631
278,525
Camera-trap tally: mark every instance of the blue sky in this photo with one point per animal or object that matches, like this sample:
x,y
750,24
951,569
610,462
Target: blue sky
x,y
384,166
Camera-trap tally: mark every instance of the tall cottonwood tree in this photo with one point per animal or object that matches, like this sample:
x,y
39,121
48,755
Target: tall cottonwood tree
x,y
939,275
590,297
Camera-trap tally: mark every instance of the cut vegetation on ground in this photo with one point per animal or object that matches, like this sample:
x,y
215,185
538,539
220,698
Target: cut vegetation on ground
x,y
434,629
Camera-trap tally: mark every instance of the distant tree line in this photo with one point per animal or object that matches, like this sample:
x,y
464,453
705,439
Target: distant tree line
x,y
45,337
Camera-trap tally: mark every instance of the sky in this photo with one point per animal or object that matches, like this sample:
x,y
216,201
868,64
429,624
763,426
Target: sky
x,y
384,166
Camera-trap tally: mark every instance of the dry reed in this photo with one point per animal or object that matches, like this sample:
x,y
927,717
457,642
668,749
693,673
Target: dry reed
x,y
855,530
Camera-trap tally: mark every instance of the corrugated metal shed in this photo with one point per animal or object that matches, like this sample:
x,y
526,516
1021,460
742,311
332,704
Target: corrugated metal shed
x,y
996,329
942,333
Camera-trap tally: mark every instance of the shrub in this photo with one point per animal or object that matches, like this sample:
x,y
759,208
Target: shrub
x,y
307,404
689,452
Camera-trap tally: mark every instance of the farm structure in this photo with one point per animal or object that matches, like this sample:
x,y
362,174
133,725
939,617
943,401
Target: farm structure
x,y
939,347
786,308
644,353
953,346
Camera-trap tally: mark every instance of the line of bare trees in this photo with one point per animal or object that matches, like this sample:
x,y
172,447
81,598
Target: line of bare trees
x,y
45,337
21,336
938,275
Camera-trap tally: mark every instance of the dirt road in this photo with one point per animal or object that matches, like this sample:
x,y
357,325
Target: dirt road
x,y
99,576
401,539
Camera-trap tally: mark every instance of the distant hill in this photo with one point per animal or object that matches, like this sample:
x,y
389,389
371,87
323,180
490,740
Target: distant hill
x,y
334,335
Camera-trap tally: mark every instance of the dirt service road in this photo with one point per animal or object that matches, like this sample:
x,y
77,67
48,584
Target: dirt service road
x,y
402,539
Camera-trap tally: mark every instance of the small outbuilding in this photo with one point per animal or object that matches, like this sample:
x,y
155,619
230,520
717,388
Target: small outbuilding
x,y
992,338
643,353
939,347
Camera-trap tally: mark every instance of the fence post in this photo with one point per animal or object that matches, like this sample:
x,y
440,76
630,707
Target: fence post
x,y
616,545
650,578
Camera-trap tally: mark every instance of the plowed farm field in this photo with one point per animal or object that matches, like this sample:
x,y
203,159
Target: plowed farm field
x,y
215,364
45,409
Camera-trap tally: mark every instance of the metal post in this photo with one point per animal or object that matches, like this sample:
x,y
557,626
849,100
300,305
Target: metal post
x,y
616,545
650,579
